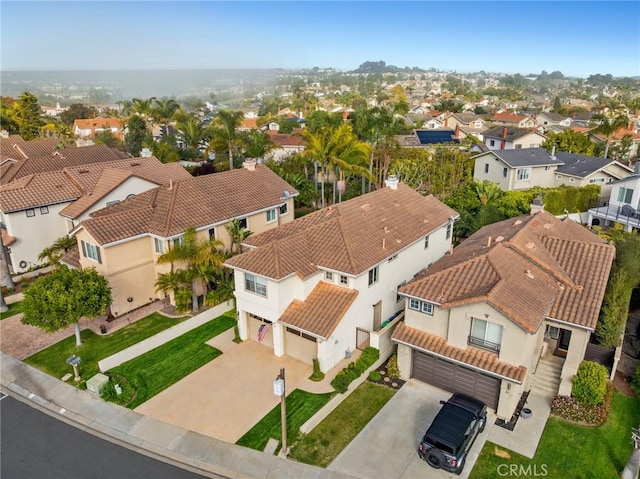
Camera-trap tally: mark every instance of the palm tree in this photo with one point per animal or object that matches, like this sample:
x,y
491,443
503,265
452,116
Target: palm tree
x,y
238,233
54,253
126,107
228,121
142,106
256,143
608,126
201,259
487,191
192,133
164,111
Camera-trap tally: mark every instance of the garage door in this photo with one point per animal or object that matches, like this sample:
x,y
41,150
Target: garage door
x,y
452,377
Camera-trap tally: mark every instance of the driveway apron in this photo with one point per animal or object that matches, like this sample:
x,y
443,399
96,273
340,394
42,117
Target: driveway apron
x,y
228,396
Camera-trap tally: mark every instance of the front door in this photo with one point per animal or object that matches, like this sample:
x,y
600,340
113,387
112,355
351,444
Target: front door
x,y
563,342
377,315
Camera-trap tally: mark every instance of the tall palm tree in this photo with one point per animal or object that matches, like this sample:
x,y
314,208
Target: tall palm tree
x,y
487,191
142,106
164,110
256,143
237,233
199,260
607,126
192,133
228,121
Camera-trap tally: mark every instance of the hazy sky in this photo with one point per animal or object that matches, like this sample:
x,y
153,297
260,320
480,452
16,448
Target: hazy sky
x,y
577,38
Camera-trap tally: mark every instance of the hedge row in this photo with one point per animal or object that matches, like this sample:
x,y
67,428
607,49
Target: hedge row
x,y
345,377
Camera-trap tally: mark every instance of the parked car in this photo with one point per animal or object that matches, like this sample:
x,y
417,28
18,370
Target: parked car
x,y
448,439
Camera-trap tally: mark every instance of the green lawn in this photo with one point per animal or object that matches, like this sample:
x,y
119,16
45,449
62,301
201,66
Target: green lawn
x,y
337,430
301,405
165,365
96,347
14,308
571,451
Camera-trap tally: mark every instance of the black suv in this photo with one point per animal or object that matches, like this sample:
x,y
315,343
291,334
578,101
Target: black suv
x,y
451,434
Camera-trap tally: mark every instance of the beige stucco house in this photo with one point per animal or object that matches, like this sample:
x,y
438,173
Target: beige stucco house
x,y
325,284
124,241
525,168
510,138
512,295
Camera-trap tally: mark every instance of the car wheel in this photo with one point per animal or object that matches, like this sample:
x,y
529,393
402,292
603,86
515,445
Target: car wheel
x,y
483,423
460,466
435,458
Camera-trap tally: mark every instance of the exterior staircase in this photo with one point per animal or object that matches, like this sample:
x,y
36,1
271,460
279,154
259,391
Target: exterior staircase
x,y
546,379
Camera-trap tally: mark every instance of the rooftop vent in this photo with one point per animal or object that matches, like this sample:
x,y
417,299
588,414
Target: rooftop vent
x,y
517,222
499,238
392,182
249,164
145,153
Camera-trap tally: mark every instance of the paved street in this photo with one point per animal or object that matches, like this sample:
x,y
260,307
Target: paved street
x,y
36,445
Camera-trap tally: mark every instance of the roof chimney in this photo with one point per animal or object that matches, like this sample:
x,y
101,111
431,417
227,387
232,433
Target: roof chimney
x,y
553,153
391,182
249,164
504,132
4,134
537,205
145,153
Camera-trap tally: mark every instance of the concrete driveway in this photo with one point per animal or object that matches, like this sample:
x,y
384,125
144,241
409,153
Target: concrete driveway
x,y
387,447
228,396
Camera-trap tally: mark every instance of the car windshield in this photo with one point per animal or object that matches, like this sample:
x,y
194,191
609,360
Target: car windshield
x,y
450,426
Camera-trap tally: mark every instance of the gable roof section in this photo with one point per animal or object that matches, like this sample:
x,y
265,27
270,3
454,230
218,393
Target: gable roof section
x,y
436,135
97,123
37,190
582,166
321,311
18,148
72,156
196,202
507,117
529,268
286,139
512,133
350,237
525,157
477,358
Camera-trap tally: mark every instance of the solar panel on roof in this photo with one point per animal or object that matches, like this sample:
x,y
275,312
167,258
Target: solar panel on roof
x,y
429,137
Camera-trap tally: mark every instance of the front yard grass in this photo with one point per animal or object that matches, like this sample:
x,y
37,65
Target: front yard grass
x,y
165,365
301,405
14,308
96,347
569,450
322,445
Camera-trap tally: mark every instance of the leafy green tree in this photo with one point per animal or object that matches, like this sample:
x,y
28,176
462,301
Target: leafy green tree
x,y
256,143
608,126
193,134
77,111
28,116
487,191
570,141
198,260
164,111
164,151
106,137
136,135
63,297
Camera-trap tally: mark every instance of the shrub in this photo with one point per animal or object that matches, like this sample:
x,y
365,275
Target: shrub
x,y
392,367
375,376
317,374
590,383
354,369
635,380
368,357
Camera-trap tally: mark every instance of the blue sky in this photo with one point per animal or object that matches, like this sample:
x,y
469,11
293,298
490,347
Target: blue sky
x,y
577,38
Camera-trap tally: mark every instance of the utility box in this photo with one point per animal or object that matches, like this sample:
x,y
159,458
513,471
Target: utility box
x,y
96,383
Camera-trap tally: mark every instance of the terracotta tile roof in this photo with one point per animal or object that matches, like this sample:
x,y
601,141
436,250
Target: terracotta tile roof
x,y
248,124
530,267
285,139
57,160
350,237
619,134
97,123
321,311
507,117
18,148
197,202
38,190
72,258
474,357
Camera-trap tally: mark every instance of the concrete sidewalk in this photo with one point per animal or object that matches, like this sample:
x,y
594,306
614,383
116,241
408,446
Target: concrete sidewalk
x,y
202,454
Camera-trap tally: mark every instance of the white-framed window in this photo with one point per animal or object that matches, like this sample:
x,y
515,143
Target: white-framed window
x,y
91,251
422,306
328,275
284,209
44,210
414,304
212,233
449,225
426,242
547,168
492,142
395,256
505,171
552,332
177,241
255,284
344,280
486,167
572,180
30,213
523,174
477,124
243,223
558,177
625,195
271,215
485,334
373,276
427,308
158,246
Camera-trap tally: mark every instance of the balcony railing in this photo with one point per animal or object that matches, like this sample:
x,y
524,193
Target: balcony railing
x,y
484,344
624,214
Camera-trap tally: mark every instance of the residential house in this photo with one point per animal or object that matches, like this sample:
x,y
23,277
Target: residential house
x,y
581,118
513,295
286,145
514,120
508,138
622,206
466,124
38,208
550,119
318,287
124,241
617,137
87,128
427,137
525,168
